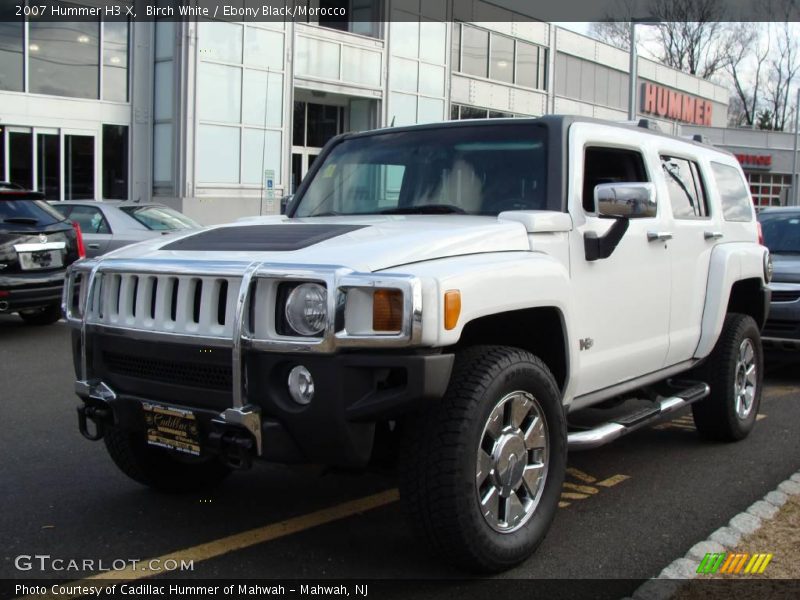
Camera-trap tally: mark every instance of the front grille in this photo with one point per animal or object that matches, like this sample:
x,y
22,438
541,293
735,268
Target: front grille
x,y
785,295
183,304
197,375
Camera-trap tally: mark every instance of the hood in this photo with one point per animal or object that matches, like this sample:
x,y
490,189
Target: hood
x,y
786,268
365,244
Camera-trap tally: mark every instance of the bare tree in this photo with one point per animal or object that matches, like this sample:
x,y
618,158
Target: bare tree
x,y
746,63
784,68
692,35
614,33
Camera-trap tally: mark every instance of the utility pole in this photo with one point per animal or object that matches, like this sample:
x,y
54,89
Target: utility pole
x,y
633,75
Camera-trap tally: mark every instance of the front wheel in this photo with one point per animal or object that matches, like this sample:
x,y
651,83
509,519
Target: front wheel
x,y
483,468
734,371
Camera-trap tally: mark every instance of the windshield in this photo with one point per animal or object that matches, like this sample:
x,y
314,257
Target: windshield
x,y
160,218
476,170
781,231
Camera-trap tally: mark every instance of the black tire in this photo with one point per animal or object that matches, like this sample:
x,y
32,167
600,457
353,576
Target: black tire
x,y
439,458
161,469
716,416
45,316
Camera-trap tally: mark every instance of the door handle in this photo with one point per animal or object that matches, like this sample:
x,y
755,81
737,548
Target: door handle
x,y
712,235
659,236
93,246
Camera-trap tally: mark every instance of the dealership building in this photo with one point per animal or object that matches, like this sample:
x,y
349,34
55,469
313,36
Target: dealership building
x,y
220,119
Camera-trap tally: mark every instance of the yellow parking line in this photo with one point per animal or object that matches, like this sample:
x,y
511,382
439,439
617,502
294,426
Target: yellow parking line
x,y
577,474
243,540
573,496
580,488
613,480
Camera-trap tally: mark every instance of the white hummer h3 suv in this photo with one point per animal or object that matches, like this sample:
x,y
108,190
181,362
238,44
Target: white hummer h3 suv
x,y
486,294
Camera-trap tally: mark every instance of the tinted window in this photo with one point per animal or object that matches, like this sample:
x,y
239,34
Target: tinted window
x,y
736,203
479,170
160,218
64,58
610,165
781,231
33,211
686,192
90,219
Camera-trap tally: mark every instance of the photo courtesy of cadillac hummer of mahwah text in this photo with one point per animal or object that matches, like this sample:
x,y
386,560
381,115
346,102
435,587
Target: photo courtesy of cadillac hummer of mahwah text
x,y
469,300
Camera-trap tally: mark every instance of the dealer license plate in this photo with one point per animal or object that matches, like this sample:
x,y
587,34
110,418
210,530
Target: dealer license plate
x,y
40,259
171,428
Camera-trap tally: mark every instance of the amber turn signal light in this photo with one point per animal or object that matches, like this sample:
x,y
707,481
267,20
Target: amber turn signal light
x,y
452,308
387,310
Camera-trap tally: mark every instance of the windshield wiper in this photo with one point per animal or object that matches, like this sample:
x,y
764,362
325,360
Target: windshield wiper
x,y
425,209
21,220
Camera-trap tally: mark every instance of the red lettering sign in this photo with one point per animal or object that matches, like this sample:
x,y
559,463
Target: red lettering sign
x,y
759,161
670,104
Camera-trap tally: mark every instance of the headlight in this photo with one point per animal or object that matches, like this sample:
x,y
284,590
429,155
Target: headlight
x,y
307,309
768,268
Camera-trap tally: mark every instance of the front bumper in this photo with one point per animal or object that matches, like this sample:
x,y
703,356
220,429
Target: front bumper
x,y
353,392
30,291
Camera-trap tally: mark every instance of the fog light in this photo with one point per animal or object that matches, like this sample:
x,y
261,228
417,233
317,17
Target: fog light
x,y
301,385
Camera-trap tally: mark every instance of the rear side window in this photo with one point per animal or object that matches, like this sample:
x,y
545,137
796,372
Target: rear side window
x,y
736,203
90,219
160,218
686,192
33,212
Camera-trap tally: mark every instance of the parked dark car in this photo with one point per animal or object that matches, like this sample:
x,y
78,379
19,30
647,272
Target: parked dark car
x,y
37,244
781,228
111,224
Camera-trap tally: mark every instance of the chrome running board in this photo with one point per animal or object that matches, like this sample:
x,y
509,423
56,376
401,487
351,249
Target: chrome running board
x,y
625,424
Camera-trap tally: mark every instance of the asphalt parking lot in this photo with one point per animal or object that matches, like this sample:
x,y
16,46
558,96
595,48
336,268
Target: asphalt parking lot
x,y
628,509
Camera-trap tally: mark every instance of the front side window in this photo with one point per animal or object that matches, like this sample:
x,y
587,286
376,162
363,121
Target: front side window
x,y
686,192
477,170
610,165
736,203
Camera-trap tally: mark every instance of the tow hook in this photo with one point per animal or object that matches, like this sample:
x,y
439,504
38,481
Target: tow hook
x,y
99,413
236,446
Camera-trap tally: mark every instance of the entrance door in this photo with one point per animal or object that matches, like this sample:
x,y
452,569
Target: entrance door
x,y
79,166
302,159
19,153
48,163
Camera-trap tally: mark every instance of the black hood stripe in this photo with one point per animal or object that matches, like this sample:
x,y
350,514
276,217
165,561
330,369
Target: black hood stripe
x,y
261,238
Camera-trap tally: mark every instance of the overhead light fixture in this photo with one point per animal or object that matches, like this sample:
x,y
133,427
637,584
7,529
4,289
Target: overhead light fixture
x,y
502,64
83,39
33,47
114,60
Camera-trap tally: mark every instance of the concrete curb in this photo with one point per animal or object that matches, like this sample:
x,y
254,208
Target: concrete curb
x,y
723,539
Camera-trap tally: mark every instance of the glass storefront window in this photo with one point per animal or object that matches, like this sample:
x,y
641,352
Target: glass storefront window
x,y
475,51
64,58
262,98
79,167
115,162
218,154
11,55
299,124
220,93
264,49
323,124
48,165
527,65
115,61
502,59
20,160
220,41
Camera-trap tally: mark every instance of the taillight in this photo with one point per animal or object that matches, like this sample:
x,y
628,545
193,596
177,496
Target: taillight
x,y
79,240
760,233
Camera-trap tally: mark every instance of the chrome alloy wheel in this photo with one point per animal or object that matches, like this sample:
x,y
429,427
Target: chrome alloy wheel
x,y
512,462
746,379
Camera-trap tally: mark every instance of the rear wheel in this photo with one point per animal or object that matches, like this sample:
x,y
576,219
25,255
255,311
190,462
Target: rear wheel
x,y
161,469
483,468
734,371
42,316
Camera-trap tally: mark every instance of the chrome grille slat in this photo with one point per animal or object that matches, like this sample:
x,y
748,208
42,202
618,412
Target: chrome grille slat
x,y
126,300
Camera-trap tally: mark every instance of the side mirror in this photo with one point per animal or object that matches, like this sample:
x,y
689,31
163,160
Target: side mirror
x,y
285,203
629,200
